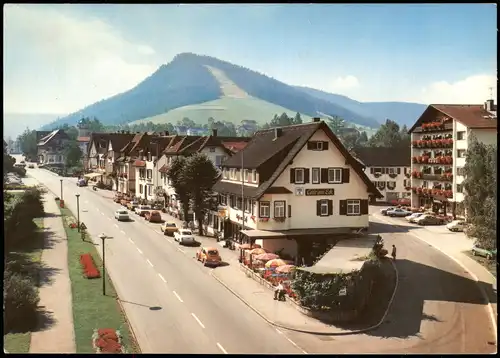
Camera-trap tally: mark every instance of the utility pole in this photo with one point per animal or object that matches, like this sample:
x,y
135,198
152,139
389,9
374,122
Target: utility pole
x,y
242,194
78,210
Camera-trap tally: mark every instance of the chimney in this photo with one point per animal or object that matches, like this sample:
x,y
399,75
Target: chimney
x,y
277,133
316,119
489,105
214,132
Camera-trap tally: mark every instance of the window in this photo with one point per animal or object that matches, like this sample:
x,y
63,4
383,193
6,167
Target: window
x,y
425,184
316,175
239,204
264,209
218,160
392,170
461,153
142,173
460,188
224,173
247,205
140,188
279,209
460,135
254,176
299,175
223,199
212,150
334,175
149,189
460,171
150,173
245,175
149,156
317,145
377,170
353,207
323,208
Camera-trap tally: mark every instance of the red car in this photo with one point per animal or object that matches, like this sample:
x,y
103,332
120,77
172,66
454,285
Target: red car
x,y
153,216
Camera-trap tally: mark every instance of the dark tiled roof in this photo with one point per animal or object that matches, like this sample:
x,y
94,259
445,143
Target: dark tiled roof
x,y
119,140
470,115
384,157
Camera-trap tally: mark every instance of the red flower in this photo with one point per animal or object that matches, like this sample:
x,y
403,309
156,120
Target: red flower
x,y
88,265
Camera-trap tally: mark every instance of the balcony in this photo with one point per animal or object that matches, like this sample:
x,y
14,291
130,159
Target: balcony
x,y
437,126
426,159
432,192
432,143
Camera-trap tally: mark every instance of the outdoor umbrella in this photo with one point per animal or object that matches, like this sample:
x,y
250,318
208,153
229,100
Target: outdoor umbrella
x,y
258,251
266,257
285,268
275,263
247,246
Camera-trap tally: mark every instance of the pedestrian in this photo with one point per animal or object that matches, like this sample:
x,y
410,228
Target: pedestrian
x,y
393,254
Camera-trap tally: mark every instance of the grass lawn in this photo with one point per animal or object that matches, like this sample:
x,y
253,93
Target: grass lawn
x,y
20,342
92,310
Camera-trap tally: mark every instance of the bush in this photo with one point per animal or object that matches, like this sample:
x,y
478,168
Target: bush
x,y
21,301
88,265
19,171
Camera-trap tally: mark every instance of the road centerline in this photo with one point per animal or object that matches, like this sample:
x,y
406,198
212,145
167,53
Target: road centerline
x,y
162,278
221,348
150,263
198,320
139,250
178,297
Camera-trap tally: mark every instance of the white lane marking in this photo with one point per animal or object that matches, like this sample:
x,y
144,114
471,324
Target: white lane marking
x,y
181,250
116,226
149,262
178,297
132,241
159,232
162,278
197,320
102,213
289,340
123,232
139,250
221,348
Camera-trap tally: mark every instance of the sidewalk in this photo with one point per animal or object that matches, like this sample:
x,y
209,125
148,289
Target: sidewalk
x,y
55,292
453,245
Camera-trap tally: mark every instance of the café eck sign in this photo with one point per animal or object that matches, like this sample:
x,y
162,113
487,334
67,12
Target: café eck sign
x,y
320,192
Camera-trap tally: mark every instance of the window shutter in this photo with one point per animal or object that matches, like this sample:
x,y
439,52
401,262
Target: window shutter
x,y
259,210
318,207
364,207
325,145
307,175
372,170
324,175
383,171
289,211
311,146
330,207
343,207
345,175
292,175
399,170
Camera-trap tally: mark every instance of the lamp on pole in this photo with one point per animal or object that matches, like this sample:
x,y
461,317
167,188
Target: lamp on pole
x,y
61,189
103,237
78,210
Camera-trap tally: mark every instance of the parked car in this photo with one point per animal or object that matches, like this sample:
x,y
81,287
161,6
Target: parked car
x,y
456,226
141,210
384,211
81,182
411,218
488,254
31,166
153,216
184,236
132,205
209,256
122,215
397,212
20,165
427,219
169,228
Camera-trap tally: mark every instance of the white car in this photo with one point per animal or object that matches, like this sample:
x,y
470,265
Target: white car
x,y
122,215
413,217
456,226
142,209
184,236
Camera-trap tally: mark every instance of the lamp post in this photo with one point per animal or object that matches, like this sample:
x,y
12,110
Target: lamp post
x,y
78,210
103,237
61,190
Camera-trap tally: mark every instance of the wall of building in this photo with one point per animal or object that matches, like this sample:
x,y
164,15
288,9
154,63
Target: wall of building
x,y
401,181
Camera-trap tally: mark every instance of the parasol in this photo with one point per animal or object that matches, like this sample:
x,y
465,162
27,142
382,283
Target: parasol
x,y
275,263
258,251
266,257
285,268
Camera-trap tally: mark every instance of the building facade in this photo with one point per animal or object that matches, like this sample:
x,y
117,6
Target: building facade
x,y
439,149
51,148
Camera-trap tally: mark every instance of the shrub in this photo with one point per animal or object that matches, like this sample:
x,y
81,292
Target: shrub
x,y
19,171
21,300
107,340
88,265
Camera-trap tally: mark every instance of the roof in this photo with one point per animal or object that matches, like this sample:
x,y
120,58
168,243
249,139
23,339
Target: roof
x,y
140,163
264,149
119,140
470,115
384,156
234,188
58,132
164,168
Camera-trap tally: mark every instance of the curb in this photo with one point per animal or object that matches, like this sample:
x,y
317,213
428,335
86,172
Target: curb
x,y
474,277
346,333
129,325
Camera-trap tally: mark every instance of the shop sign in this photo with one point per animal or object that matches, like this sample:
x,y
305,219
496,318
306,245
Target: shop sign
x,y
320,192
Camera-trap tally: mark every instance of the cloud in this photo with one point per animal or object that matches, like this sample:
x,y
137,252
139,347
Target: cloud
x,y
471,90
345,83
55,62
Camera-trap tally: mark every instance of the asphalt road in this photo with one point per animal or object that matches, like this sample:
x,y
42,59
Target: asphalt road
x,y
172,302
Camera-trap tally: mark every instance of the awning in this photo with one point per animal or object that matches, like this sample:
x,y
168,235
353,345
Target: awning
x,y
140,163
92,175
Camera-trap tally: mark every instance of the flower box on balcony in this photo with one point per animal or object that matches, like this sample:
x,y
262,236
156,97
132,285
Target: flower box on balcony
x,y
433,126
393,175
407,188
448,193
279,220
264,220
447,177
417,174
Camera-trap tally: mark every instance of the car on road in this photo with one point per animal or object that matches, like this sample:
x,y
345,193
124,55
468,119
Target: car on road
x,y
20,165
209,256
132,205
169,228
488,254
184,236
141,210
122,215
456,226
427,219
31,166
400,213
384,211
81,182
153,216
411,218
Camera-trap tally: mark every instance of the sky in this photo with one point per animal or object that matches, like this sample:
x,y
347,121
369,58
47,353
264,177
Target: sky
x,y
61,58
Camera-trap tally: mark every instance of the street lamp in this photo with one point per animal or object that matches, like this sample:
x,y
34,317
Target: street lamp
x,y
78,210
61,190
103,237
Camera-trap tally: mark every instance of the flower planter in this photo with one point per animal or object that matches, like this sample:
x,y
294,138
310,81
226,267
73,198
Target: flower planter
x,y
90,270
107,340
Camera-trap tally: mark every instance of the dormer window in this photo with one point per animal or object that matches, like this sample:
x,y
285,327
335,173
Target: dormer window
x,y
254,176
